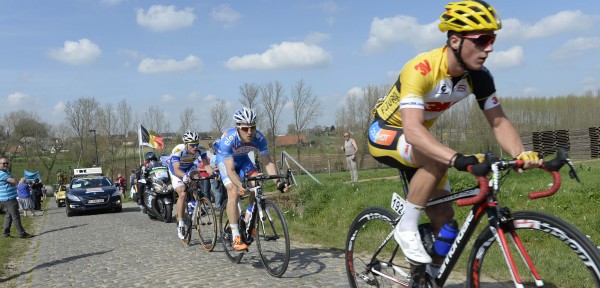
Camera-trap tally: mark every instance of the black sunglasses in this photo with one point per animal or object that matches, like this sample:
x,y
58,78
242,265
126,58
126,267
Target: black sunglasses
x,y
194,145
481,40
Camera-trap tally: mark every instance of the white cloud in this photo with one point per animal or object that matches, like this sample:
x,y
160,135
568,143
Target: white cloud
x,y
17,98
83,51
148,65
531,91
512,57
357,91
59,109
163,18
576,47
557,24
316,38
168,98
388,32
287,55
224,13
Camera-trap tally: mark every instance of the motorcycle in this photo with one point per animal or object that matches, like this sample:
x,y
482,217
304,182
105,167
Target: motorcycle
x,y
157,194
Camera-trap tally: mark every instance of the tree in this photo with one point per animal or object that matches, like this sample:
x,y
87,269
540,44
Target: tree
x,y
125,123
188,121
80,115
306,109
107,126
218,115
273,99
154,119
249,98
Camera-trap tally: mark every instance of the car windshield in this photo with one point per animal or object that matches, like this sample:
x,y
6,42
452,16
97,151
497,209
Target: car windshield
x,y
90,182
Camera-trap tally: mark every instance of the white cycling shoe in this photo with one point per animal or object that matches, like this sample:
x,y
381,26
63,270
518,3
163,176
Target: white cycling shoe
x,y
180,232
412,246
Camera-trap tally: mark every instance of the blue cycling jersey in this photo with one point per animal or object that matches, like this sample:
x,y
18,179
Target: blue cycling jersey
x,y
185,159
230,145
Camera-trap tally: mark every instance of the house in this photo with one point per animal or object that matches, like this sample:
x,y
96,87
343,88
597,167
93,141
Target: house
x,y
290,140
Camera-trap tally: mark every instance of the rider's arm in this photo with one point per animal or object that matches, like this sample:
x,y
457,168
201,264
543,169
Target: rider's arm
x,y
505,133
177,169
272,170
421,139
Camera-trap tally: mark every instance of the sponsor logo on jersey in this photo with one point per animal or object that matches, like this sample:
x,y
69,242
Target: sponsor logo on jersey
x,y
385,137
423,67
437,106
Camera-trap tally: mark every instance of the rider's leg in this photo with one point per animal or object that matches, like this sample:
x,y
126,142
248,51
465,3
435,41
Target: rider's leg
x,y
233,215
422,187
180,206
439,215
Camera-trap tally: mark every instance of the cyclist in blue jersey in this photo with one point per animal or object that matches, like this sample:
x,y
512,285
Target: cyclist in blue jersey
x,y
233,163
182,168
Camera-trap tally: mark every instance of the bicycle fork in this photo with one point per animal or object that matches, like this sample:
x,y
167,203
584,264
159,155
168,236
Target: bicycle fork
x,y
506,225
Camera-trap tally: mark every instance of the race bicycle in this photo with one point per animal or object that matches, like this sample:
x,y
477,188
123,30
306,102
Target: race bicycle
x,y
200,214
551,252
265,223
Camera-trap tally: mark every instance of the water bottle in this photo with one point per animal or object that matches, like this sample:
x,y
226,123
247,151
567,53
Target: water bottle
x,y
191,206
248,214
446,237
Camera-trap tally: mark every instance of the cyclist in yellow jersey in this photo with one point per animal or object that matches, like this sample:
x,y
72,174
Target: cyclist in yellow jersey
x,y
428,85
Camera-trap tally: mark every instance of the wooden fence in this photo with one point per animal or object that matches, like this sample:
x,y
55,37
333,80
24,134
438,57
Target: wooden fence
x,y
581,143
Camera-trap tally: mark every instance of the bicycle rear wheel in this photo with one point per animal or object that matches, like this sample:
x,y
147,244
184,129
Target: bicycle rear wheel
x,y
373,258
187,220
273,240
226,238
561,254
206,224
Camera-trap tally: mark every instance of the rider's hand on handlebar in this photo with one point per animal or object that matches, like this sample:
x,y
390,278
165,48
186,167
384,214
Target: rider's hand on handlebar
x,y
461,161
282,186
186,178
530,160
241,191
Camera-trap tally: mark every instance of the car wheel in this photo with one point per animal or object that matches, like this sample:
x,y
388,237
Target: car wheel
x,y
118,209
69,212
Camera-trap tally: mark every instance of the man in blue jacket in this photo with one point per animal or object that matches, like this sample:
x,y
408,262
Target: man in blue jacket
x,y
8,201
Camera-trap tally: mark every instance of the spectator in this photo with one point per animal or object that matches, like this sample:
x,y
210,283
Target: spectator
x,y
215,184
132,181
8,201
25,197
38,195
120,183
350,148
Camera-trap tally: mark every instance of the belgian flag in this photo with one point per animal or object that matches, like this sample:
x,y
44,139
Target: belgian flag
x,y
150,138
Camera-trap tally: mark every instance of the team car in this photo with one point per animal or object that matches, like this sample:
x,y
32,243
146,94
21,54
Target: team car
x,y
90,190
60,195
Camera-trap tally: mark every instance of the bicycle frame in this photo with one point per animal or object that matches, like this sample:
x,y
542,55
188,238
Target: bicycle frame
x,y
484,201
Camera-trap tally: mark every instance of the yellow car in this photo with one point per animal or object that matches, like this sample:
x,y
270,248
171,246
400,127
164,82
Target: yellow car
x,y
60,195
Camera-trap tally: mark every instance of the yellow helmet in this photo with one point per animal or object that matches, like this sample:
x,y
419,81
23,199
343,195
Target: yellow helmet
x,y
466,16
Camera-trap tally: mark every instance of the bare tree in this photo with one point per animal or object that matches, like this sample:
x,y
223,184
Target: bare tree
x,y
155,120
188,121
273,99
250,98
80,115
108,127
125,123
306,109
218,115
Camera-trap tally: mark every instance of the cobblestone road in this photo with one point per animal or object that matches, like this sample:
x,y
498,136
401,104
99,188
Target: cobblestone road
x,y
129,250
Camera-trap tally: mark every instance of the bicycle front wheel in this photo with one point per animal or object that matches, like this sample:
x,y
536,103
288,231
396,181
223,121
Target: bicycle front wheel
x,y
561,255
206,224
273,240
226,237
187,219
373,258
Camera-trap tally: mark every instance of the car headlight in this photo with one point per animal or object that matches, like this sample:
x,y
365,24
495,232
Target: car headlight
x,y
73,197
116,193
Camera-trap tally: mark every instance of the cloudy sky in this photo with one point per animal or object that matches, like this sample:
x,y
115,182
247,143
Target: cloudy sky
x,y
179,54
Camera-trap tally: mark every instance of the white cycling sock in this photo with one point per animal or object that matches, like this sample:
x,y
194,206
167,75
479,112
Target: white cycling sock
x,y
180,224
410,217
235,231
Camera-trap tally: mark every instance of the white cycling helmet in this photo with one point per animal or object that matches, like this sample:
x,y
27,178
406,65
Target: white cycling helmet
x,y
245,116
190,137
